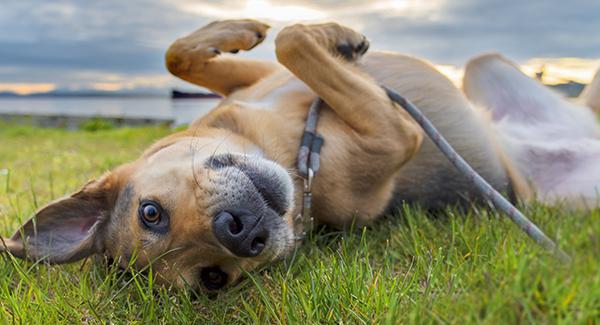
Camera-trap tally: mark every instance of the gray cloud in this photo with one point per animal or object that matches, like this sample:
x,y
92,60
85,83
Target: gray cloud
x,y
113,36
520,29
58,41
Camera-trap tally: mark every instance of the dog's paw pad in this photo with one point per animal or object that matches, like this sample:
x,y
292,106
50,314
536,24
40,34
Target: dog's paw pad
x,y
363,47
345,50
351,51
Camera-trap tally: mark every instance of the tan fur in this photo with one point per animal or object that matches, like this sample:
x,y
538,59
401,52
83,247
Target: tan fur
x,y
374,157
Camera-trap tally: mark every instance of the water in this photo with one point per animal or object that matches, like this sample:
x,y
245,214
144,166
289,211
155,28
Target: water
x,y
181,111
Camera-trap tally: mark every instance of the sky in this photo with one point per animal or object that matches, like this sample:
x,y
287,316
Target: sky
x,y
120,44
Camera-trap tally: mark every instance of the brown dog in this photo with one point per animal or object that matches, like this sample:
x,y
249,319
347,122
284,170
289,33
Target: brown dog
x,y
206,203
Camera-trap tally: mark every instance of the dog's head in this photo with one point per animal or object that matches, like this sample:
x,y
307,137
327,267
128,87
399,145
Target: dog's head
x,y
200,209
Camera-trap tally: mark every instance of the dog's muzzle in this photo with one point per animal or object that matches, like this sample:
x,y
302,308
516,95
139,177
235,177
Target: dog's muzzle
x,y
256,194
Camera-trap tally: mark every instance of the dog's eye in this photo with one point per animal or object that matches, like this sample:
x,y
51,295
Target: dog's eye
x,y
150,212
153,217
213,278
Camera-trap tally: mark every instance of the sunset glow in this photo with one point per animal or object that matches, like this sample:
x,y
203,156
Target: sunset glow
x,y
270,11
556,70
445,32
559,70
26,88
258,9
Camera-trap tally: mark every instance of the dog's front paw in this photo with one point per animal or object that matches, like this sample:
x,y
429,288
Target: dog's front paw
x,y
337,39
223,36
234,35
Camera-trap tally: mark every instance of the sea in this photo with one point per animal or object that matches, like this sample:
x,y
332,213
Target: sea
x,y
175,111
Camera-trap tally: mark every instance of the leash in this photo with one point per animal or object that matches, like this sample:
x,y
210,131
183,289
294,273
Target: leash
x,y
309,163
481,184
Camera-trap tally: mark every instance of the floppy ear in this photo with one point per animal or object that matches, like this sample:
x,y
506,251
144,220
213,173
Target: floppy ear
x,y
590,96
68,229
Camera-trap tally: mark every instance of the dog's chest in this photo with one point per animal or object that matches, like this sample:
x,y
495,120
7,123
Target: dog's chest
x,y
262,98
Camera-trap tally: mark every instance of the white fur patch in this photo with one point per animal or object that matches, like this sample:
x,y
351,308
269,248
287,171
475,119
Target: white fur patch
x,y
560,168
271,100
555,144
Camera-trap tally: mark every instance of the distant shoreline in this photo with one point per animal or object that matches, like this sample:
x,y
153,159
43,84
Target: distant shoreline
x,y
568,89
173,94
66,96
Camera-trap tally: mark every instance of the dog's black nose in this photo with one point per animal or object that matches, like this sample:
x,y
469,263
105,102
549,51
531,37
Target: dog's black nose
x,y
241,232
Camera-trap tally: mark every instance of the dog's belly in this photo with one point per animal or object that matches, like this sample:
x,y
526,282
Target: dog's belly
x,y
272,100
560,163
274,93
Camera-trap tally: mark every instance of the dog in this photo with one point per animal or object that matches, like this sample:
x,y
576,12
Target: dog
x,y
207,203
590,95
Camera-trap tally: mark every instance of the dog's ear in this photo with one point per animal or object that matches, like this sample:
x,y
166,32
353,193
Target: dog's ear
x,y
68,229
590,96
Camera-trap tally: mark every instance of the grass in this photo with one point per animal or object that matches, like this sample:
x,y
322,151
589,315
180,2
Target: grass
x,y
471,267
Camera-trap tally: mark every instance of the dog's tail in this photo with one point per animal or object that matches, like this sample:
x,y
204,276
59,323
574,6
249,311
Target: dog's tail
x,y
590,96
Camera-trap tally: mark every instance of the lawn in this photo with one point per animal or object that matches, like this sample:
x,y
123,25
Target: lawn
x,y
408,268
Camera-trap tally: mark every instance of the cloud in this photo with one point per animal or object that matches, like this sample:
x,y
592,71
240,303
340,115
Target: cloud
x,y
124,36
519,29
72,42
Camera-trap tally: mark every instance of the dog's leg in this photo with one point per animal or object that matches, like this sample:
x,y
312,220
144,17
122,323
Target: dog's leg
x,y
591,94
383,137
316,53
493,82
196,57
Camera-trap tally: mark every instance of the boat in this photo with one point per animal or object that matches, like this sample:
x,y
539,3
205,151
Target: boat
x,y
177,94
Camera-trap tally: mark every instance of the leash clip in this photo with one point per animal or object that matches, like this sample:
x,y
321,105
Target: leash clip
x,y
307,217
